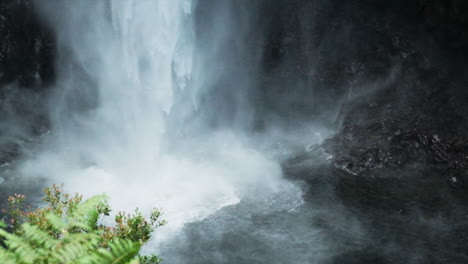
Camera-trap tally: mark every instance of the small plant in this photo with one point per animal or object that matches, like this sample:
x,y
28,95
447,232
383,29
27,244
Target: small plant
x,y
67,230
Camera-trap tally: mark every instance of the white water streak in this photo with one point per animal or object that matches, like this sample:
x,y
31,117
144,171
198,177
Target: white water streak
x,y
121,66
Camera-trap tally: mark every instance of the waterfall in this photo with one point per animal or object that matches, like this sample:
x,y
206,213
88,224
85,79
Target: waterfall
x,y
119,64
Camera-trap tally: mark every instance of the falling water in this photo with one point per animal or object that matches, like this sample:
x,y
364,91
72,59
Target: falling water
x,y
119,64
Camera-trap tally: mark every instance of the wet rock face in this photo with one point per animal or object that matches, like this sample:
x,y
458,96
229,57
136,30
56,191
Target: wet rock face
x,y
447,20
361,150
27,54
417,121
318,54
398,161
415,116
26,46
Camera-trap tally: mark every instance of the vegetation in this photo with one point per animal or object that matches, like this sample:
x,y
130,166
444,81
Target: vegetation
x,y
68,230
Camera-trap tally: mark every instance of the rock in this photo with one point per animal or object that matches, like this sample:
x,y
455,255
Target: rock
x,y
27,59
416,119
27,46
395,139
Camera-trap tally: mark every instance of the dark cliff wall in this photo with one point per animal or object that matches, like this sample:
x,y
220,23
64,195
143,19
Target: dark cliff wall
x,y
26,47
390,76
27,52
306,58
326,52
395,73
417,114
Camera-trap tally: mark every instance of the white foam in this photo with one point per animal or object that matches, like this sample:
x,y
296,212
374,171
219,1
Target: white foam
x,y
121,67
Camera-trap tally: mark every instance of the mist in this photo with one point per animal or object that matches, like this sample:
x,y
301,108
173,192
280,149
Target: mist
x,y
267,131
118,127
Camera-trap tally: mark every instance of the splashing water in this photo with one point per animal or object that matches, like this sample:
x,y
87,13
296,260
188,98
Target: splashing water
x,y
119,63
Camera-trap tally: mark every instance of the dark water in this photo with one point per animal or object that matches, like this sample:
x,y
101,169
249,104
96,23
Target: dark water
x,y
409,216
287,63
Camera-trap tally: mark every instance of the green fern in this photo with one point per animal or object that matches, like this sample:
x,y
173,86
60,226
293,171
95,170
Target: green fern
x,y
68,232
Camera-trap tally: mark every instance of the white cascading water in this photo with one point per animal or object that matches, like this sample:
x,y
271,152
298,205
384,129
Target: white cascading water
x,y
119,63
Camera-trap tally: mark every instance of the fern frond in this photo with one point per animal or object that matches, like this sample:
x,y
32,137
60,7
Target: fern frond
x,y
120,252
76,247
56,222
7,257
20,247
68,232
86,214
38,238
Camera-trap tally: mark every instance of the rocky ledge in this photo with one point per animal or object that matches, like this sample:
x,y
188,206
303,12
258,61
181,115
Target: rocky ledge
x,y
416,117
419,121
